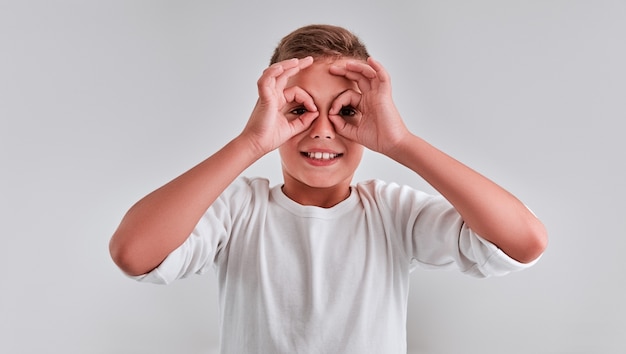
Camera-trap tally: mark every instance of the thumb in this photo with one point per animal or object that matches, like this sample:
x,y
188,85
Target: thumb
x,y
343,128
303,122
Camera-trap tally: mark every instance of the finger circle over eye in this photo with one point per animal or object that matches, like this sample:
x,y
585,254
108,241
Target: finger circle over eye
x,y
297,94
349,98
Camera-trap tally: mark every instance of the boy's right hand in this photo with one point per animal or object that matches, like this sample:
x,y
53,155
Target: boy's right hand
x,y
268,127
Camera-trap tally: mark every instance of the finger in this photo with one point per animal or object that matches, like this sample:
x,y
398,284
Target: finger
x,y
276,69
343,128
366,71
285,64
362,76
297,94
363,68
305,62
381,72
303,122
349,98
267,81
286,68
346,126
291,70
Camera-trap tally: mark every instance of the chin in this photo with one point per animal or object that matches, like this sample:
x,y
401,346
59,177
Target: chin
x,y
325,182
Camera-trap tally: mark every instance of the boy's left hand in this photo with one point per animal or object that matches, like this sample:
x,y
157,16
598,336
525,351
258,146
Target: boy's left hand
x,y
380,126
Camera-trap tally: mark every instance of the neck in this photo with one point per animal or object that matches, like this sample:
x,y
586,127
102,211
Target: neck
x,y
323,197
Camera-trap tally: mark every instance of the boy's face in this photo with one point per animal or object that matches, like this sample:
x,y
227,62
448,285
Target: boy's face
x,y
319,158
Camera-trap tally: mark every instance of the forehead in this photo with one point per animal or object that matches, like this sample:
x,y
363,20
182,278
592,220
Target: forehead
x,y
319,82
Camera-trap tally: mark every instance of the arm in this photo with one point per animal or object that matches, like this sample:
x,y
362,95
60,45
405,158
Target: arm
x,y
485,207
162,220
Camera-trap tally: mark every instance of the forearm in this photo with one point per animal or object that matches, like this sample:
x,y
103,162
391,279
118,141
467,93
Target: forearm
x,y
161,221
485,207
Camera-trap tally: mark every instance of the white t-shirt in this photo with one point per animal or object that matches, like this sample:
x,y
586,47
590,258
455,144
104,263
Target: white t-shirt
x,y
304,279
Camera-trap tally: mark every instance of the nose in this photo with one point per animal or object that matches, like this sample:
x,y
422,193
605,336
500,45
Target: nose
x,y
322,127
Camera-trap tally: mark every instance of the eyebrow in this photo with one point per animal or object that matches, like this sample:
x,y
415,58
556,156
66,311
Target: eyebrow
x,y
334,98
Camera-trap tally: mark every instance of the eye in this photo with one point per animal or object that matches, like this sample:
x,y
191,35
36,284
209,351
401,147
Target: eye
x,y
347,111
298,111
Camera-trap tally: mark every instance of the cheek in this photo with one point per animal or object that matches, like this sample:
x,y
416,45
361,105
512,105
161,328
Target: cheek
x,y
356,153
288,150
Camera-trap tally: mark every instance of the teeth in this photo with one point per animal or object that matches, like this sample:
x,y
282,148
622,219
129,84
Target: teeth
x,y
321,155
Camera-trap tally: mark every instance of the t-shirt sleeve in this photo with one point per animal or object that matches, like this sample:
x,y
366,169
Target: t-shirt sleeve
x,y
486,258
199,252
435,236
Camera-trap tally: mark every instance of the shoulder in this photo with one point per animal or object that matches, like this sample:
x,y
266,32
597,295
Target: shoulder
x,y
242,194
390,192
247,186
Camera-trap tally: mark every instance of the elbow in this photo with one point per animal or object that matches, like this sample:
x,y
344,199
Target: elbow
x,y
126,257
535,242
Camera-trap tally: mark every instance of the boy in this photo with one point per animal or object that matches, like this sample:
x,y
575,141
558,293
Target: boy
x,y
317,264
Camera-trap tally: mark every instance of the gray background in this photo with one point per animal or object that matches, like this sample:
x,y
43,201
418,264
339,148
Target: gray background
x,y
103,101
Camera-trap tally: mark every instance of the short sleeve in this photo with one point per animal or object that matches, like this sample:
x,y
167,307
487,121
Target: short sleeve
x,y
488,259
198,253
435,236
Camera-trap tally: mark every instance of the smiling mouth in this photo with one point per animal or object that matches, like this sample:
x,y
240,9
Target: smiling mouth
x,y
321,155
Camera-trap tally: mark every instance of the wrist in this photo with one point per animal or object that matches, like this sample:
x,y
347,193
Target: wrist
x,y
397,147
250,146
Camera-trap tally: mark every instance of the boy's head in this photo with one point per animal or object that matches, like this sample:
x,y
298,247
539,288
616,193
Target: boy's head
x,y
320,41
319,159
